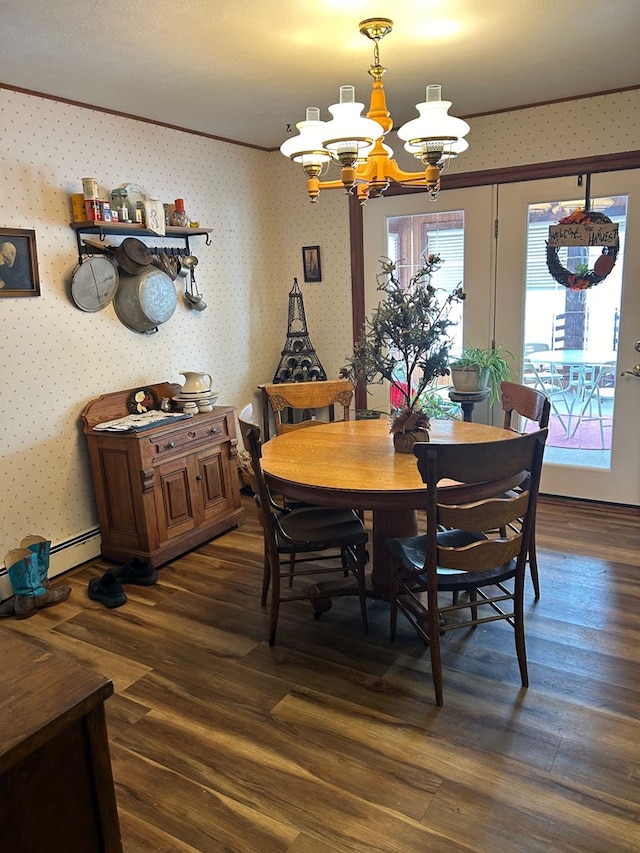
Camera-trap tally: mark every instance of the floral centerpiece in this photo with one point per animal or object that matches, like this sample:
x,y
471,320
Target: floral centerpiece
x,y
406,341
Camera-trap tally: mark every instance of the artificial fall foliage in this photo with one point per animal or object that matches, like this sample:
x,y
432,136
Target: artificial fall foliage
x,y
408,420
406,340
582,278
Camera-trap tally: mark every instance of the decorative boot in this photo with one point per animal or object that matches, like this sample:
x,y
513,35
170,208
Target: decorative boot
x,y
18,564
41,549
30,595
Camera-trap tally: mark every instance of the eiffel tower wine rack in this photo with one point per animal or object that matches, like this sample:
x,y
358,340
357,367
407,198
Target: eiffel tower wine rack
x,y
298,362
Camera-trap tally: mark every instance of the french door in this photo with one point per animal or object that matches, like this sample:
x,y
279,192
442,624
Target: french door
x,y
472,255
514,302
604,319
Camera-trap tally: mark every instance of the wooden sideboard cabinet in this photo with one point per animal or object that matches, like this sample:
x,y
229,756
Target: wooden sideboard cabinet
x,y
56,783
164,490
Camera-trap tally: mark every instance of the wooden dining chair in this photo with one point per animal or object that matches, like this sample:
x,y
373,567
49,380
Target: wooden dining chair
x,y
488,566
323,535
535,407
246,417
305,400
247,421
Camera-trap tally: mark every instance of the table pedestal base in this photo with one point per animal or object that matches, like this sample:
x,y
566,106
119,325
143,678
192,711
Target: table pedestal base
x,y
388,524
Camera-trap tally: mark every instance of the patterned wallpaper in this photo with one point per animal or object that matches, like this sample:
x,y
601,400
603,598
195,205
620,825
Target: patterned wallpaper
x,y
582,128
54,358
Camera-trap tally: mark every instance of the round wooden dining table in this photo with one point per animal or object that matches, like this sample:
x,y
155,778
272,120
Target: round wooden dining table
x,y
353,464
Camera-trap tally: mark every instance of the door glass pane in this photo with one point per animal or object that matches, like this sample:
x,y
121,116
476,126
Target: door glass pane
x,y
409,240
571,337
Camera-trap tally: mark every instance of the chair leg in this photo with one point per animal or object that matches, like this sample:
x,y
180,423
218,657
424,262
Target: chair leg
x,y
275,602
266,577
433,615
393,603
473,606
345,562
362,591
533,561
533,568
292,568
521,649
599,405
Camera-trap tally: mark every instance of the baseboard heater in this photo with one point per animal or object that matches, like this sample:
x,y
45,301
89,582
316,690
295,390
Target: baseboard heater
x,y
80,539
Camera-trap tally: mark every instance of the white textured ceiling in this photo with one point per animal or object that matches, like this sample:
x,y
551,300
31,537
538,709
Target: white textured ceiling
x,y
244,70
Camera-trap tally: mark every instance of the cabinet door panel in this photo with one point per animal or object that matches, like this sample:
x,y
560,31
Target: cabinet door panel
x,y
212,478
174,501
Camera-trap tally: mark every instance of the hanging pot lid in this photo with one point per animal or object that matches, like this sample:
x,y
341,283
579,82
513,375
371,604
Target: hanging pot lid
x,y
94,284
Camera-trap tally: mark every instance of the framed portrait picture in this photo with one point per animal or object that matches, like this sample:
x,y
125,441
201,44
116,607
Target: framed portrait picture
x,y
311,263
18,263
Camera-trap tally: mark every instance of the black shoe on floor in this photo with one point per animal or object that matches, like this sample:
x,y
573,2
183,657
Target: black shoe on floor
x,y
7,608
135,571
107,590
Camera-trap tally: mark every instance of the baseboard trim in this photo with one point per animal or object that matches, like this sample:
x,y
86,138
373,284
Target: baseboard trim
x,y
65,555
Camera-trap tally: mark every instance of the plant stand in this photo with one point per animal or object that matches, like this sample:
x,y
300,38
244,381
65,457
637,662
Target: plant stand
x,y
468,401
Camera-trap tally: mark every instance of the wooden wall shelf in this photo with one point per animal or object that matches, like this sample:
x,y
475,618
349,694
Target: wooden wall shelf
x,y
90,226
134,229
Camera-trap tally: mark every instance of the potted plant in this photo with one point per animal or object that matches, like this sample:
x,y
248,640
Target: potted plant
x,y
368,414
406,341
478,369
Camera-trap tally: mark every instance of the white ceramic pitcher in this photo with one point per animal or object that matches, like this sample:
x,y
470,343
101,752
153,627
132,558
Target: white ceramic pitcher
x,y
195,382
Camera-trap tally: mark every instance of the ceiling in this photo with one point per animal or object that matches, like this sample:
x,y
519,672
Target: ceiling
x,y
245,70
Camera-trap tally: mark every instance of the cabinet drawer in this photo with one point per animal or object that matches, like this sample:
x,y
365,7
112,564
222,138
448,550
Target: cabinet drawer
x,y
190,434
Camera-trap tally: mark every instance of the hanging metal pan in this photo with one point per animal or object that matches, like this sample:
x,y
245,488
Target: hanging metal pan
x,y
144,301
166,265
133,255
94,283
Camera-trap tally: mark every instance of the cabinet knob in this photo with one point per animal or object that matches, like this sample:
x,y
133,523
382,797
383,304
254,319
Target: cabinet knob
x,y
198,477
212,431
170,444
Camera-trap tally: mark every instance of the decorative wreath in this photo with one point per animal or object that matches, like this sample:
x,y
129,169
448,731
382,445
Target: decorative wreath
x,y
582,279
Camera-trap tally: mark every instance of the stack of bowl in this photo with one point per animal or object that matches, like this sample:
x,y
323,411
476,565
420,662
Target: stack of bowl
x,y
196,401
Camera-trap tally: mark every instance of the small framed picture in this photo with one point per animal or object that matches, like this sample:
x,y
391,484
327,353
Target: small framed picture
x,y
18,263
311,263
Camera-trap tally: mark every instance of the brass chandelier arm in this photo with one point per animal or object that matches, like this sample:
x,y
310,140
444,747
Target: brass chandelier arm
x,y
377,173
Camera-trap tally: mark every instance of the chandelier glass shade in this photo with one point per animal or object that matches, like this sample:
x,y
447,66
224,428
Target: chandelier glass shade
x,y
356,143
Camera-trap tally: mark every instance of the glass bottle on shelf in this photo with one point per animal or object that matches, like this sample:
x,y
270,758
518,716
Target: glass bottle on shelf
x,y
119,202
179,218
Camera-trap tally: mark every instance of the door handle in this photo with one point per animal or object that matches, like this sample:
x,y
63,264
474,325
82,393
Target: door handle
x,y
635,371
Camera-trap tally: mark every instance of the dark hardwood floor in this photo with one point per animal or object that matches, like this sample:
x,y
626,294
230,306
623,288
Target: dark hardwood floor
x,y
330,742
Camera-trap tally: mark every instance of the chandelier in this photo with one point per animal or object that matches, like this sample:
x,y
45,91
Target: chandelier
x,y
356,143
